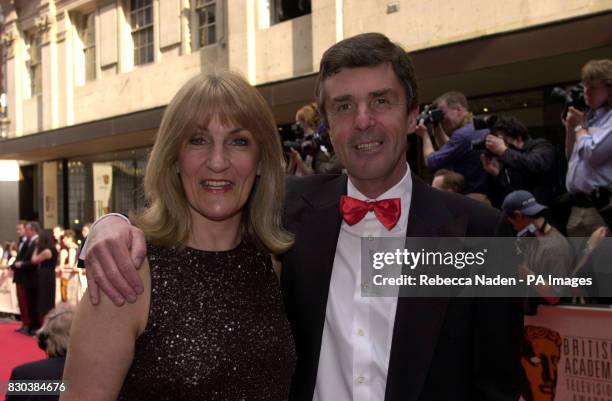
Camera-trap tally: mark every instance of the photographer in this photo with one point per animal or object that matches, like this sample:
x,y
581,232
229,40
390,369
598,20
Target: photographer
x,y
589,148
516,161
456,152
315,155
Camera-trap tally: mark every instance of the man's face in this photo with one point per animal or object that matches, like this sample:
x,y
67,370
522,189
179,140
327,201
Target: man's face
x,y
29,231
519,221
366,109
453,116
20,230
596,93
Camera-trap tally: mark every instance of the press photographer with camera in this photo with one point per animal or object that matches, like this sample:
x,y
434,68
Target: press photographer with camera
x,y
516,161
454,152
588,147
311,152
300,153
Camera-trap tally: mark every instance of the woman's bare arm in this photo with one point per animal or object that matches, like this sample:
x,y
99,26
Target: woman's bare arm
x,y
101,346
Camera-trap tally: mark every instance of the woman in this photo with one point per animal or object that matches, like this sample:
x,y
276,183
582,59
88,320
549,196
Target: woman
x,y
317,155
210,324
45,256
67,268
300,163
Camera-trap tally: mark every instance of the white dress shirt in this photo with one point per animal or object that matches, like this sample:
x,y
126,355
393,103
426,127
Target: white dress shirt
x,y
358,330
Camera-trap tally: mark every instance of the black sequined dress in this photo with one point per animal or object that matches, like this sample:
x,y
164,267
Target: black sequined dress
x,y
216,329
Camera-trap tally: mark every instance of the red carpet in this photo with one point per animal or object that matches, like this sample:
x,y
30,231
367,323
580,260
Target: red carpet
x,y
15,349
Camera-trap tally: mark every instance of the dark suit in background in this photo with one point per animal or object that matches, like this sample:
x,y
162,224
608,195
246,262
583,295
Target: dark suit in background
x,y
29,280
18,277
442,348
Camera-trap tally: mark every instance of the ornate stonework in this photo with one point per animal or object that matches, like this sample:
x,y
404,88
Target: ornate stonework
x,y
8,38
42,23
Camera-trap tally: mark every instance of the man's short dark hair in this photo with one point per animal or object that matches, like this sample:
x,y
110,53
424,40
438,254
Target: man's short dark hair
x,y
453,98
35,226
511,127
367,50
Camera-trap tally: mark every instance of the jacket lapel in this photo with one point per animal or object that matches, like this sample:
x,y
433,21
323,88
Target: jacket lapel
x,y
418,320
324,228
318,225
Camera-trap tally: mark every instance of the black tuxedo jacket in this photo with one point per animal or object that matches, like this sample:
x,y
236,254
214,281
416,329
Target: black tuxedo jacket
x,y
26,274
442,348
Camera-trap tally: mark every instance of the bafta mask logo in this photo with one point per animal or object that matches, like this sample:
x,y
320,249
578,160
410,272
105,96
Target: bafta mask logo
x,y
106,179
540,357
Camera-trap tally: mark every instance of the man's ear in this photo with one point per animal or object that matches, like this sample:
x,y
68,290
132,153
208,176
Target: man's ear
x,y
412,119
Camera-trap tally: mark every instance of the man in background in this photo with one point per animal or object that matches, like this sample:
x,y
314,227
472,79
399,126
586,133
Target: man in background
x,y
588,145
454,136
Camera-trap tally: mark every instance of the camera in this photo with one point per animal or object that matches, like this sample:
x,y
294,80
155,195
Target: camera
x,y
304,146
485,122
573,97
297,130
479,144
480,123
431,115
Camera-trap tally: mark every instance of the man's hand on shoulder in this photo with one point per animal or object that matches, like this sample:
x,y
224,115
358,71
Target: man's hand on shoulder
x,y
115,250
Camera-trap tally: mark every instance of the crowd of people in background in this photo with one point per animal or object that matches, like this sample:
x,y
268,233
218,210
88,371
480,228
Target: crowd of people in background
x,y
44,267
489,163
494,161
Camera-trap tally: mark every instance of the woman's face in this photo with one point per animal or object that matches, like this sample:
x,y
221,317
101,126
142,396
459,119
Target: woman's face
x,y
66,240
218,165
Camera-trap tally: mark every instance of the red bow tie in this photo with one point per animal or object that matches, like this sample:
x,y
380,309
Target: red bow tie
x,y
387,210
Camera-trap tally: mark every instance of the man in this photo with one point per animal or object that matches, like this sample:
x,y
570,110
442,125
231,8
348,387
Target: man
x,y
446,180
516,161
18,278
550,252
352,347
588,145
456,152
27,276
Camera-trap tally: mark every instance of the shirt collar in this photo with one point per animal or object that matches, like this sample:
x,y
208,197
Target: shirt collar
x,y
594,115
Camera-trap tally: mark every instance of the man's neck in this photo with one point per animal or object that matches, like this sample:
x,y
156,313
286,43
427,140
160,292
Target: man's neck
x,y
374,188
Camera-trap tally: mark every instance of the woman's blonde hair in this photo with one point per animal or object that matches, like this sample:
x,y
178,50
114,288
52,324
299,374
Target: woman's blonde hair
x,y
166,221
310,114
